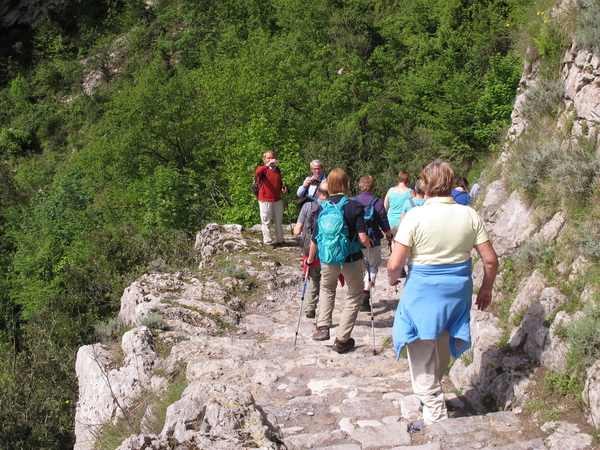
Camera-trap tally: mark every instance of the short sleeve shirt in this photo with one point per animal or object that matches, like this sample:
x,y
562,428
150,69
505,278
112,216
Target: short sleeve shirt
x,y
441,232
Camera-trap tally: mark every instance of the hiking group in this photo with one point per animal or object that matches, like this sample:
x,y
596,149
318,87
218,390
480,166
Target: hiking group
x,y
431,231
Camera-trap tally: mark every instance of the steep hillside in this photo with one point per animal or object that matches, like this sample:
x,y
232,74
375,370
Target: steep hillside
x,y
127,126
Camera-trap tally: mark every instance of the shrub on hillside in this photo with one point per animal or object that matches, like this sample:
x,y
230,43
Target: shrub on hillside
x,y
588,33
583,337
154,321
109,330
533,164
589,237
542,98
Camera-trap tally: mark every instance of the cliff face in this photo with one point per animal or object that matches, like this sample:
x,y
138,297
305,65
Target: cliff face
x,y
27,12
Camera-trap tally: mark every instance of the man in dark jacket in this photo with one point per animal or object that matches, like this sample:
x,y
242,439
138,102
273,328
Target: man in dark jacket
x,y
378,224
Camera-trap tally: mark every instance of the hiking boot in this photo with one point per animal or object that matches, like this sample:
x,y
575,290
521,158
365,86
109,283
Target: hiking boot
x,y
322,334
366,305
281,244
343,347
416,426
310,314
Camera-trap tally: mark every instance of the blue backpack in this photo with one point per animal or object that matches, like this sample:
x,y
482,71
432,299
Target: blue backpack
x,y
333,240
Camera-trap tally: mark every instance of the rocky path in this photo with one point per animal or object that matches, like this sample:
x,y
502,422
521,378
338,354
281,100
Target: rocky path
x,y
358,400
248,387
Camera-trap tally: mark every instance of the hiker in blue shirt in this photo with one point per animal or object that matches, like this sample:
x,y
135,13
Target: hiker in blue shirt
x,y
460,194
377,225
349,239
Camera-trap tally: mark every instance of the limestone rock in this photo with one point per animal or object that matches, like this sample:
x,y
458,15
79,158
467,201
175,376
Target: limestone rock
x,y
215,415
550,230
591,394
531,331
513,226
215,239
530,290
105,392
495,196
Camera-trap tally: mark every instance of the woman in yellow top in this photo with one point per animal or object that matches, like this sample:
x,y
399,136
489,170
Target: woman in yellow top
x,y
433,315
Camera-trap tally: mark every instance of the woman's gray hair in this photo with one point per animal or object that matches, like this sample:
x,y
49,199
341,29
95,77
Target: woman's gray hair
x,y
316,163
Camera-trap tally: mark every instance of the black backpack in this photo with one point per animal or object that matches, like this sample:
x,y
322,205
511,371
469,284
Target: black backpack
x,y
307,228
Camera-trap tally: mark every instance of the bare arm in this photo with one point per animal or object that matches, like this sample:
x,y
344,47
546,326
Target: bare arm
x,y
386,201
298,228
397,261
311,254
365,240
490,269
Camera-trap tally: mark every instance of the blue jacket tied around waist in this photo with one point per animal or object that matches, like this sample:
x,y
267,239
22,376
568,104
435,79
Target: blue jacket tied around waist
x,y
434,299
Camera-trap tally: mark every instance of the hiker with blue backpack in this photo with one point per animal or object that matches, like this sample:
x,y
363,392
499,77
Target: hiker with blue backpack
x,y
376,223
337,237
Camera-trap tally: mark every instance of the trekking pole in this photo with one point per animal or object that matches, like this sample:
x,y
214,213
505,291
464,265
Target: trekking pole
x,y
301,303
371,298
287,210
390,244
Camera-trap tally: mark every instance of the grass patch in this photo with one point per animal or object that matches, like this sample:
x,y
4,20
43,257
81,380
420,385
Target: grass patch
x,y
387,342
563,383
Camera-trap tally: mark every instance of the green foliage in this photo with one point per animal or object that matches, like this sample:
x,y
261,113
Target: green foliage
x,y
154,321
109,330
14,142
590,240
543,98
563,383
588,34
97,186
495,105
583,338
535,254
232,270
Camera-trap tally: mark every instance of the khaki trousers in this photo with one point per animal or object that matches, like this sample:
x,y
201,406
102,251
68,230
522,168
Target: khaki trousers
x,y
353,276
428,360
271,212
311,296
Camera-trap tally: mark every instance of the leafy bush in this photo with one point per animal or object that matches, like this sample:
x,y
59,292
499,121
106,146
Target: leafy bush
x,y
534,163
109,330
14,142
534,254
583,338
234,271
542,98
563,383
589,236
588,33
153,320
575,172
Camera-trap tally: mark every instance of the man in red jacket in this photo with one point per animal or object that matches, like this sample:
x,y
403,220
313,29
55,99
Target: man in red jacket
x,y
268,178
